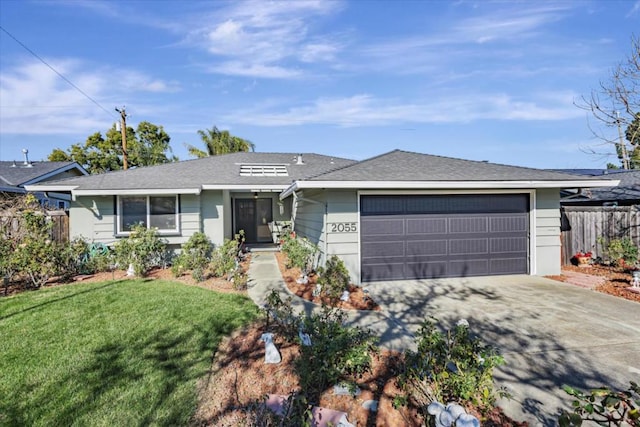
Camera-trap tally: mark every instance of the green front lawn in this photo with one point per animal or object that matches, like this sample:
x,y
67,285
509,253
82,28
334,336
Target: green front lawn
x,y
112,353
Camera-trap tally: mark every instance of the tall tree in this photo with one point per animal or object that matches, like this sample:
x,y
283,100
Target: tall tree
x,y
219,142
615,106
147,145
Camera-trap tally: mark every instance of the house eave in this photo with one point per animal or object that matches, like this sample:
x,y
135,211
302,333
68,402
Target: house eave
x,y
136,192
445,185
243,187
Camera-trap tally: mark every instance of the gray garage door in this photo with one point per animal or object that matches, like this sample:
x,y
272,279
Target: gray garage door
x,y
420,236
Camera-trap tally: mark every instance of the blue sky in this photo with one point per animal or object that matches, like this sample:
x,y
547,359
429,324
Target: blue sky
x,y
479,80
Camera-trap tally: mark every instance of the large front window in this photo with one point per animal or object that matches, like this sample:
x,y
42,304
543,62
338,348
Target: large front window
x,y
159,212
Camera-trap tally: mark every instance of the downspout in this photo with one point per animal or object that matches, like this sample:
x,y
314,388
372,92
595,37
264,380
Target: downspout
x,y
324,219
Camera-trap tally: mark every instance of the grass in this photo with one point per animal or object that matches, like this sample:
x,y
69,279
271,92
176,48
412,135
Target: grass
x,y
111,353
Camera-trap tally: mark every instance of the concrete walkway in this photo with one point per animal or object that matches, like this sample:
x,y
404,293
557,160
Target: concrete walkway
x,y
264,276
550,333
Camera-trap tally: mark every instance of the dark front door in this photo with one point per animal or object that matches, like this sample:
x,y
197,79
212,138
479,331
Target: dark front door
x,y
424,236
253,216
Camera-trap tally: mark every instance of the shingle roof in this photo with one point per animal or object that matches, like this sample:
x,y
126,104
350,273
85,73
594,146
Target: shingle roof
x,y
17,173
401,165
627,190
214,170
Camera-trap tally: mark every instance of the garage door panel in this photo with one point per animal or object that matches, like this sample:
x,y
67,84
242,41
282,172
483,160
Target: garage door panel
x,y
426,225
383,249
508,266
509,244
444,236
426,270
383,227
426,247
468,225
386,271
464,268
469,246
508,224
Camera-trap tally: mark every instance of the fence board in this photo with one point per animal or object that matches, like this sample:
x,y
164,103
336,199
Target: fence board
x,y
583,226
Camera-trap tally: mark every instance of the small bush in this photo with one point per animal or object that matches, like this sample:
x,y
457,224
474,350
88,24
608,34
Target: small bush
x,y
300,253
338,353
334,278
72,259
143,249
195,256
603,406
622,249
451,366
224,260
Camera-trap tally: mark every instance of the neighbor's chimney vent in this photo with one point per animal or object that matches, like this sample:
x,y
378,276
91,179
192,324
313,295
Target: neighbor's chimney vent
x,y
14,164
299,160
26,163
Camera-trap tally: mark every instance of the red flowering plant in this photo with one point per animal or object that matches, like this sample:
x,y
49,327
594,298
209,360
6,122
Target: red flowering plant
x,y
583,254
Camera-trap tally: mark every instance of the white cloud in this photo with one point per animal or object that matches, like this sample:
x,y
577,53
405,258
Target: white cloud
x,y
366,110
265,39
35,100
635,9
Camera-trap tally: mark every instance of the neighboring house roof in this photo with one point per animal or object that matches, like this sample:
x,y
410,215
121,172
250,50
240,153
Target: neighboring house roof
x,y
192,176
403,169
14,176
626,192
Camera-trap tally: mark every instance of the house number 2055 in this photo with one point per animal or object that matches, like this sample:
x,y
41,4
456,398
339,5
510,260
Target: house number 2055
x,y
343,227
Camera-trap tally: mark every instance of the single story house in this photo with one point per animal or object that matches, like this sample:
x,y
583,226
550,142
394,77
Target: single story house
x,y
399,215
14,176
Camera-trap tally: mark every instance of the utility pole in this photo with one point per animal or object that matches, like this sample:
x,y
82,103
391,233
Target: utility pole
x,y
123,131
623,145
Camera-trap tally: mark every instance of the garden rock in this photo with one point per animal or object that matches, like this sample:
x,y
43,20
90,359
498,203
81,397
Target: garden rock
x,y
345,296
370,405
271,353
345,390
451,415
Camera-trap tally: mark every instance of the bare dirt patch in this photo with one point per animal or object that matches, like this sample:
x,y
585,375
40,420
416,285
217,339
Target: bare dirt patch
x,y
617,280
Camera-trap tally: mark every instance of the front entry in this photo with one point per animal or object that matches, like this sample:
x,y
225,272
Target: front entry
x,y
253,216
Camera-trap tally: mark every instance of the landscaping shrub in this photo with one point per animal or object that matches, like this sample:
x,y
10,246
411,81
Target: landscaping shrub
x,y
73,259
450,366
34,255
224,260
195,257
300,253
143,249
334,278
622,249
603,406
337,354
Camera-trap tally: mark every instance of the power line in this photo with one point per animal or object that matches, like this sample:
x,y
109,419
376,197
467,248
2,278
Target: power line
x,y
57,72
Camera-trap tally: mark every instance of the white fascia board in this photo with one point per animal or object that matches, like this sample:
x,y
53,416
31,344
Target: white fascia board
x,y
248,187
45,188
136,192
447,184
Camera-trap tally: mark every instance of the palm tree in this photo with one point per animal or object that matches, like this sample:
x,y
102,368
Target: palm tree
x,y
219,142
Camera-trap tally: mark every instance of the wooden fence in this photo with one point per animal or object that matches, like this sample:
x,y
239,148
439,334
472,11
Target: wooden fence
x,y
583,226
59,229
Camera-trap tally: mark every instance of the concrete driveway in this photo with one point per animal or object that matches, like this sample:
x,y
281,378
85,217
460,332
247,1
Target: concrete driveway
x,y
549,332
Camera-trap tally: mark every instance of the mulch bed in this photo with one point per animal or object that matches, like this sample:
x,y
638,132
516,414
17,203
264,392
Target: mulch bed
x,y
358,299
218,284
618,279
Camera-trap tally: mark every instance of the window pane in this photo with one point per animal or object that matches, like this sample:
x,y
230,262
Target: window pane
x,y
163,212
133,211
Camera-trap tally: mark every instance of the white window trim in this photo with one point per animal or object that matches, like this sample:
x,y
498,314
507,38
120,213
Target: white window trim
x,y
162,232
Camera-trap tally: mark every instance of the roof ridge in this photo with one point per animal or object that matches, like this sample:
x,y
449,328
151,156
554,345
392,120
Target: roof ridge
x,y
356,163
